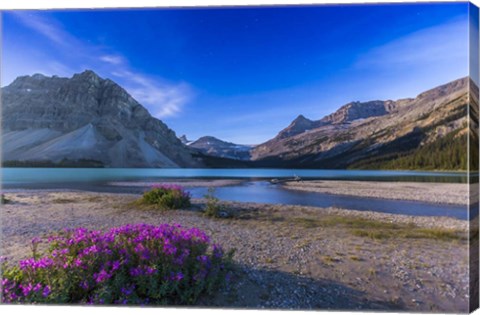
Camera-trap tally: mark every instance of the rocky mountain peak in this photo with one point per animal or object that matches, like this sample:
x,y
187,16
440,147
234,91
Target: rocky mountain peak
x,y
209,139
356,110
38,76
445,89
215,147
379,133
31,83
301,119
184,139
85,117
28,79
297,126
87,75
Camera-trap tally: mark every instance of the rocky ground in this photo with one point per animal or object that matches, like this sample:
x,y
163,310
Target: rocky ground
x,y
287,257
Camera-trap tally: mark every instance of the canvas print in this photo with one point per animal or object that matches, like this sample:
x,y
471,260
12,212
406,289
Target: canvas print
x,y
315,157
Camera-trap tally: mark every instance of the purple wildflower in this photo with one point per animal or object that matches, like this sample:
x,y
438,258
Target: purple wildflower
x,y
98,256
101,276
128,291
135,272
178,277
46,291
217,251
77,262
150,271
36,240
26,289
84,285
115,265
203,259
37,287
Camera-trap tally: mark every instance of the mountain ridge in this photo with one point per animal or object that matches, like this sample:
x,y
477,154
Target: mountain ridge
x,y
89,119
46,112
212,146
344,138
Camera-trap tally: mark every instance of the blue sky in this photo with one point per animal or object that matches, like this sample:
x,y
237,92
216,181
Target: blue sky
x,y
244,74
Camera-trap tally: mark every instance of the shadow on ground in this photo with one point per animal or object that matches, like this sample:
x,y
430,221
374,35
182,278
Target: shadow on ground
x,y
269,289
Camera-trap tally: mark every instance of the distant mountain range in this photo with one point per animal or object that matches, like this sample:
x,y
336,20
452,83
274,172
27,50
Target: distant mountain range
x,y
89,121
215,147
427,132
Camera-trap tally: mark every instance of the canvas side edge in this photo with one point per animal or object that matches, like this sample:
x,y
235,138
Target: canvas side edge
x,y
473,148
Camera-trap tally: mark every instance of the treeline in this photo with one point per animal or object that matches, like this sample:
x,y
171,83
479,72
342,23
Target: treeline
x,y
447,153
63,163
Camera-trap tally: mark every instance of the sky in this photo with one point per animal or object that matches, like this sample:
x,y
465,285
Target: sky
x,y
243,74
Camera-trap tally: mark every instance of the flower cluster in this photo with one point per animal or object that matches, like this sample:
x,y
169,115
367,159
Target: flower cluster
x,y
167,196
132,264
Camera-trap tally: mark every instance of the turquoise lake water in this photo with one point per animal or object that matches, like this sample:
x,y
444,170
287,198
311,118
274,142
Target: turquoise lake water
x,y
256,187
71,175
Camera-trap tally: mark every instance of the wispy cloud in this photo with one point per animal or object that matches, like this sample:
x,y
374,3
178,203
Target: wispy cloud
x,y
47,27
113,59
161,97
165,99
409,65
439,44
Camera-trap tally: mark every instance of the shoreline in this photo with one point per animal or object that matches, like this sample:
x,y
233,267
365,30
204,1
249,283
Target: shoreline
x,y
67,196
181,182
429,192
436,193
296,257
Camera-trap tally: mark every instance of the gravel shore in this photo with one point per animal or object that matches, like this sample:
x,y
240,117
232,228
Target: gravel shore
x,y
287,257
447,193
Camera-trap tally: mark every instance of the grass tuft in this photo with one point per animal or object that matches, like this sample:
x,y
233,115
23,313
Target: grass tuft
x,y
412,233
355,258
379,230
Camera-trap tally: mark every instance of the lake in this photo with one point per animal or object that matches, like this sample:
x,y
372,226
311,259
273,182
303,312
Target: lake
x,y
71,175
255,188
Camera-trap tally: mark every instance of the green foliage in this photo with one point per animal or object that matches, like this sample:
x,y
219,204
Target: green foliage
x,y
473,138
379,230
167,197
4,200
133,264
414,233
212,208
447,153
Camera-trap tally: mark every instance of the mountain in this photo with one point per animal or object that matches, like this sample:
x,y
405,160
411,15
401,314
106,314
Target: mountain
x,y
212,146
357,110
184,140
84,119
89,121
299,125
407,133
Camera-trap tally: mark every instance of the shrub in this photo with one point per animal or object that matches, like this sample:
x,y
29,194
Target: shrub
x,y
167,197
212,208
3,199
133,264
